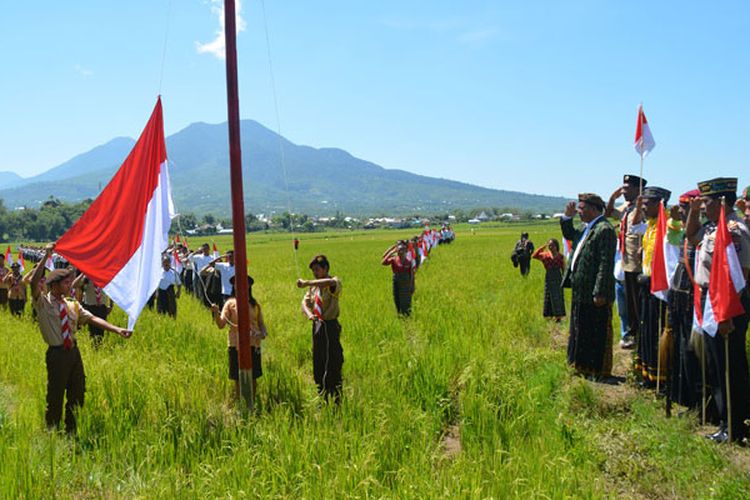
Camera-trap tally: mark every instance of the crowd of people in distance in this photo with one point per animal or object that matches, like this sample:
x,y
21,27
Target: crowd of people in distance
x,y
406,256
657,267
63,299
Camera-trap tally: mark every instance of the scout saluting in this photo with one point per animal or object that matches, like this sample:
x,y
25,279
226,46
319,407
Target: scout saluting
x,y
321,306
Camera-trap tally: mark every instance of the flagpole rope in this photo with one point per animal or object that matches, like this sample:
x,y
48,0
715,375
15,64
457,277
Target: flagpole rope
x,y
164,48
282,156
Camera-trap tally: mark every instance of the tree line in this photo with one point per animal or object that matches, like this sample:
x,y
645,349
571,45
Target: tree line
x,y
54,217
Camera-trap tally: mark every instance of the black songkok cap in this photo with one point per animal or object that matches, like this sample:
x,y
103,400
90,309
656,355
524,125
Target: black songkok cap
x,y
720,186
592,199
633,180
657,192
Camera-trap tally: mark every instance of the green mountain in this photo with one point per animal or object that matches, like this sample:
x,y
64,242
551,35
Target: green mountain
x,y
320,181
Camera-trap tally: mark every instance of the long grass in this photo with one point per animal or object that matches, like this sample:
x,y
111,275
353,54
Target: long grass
x,y
475,359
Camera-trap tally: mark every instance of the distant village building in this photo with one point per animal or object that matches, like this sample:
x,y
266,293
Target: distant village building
x,y
483,216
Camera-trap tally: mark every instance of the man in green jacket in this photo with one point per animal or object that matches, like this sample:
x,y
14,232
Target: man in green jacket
x,y
590,276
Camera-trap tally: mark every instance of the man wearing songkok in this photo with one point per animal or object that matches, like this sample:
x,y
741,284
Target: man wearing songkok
x,y
714,192
590,276
629,247
59,318
652,310
685,378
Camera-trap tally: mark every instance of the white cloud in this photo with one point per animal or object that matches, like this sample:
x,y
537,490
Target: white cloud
x,y
217,46
85,72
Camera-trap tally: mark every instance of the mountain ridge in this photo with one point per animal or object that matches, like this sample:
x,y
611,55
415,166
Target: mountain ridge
x,y
319,181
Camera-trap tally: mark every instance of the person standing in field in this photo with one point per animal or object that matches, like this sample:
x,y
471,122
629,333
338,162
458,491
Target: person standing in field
x,y
553,261
200,261
169,289
714,193
94,301
630,250
226,273
228,315
16,290
320,305
522,252
403,276
590,276
4,271
59,318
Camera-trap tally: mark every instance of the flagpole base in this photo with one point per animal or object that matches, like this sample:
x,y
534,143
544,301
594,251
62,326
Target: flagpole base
x,y
246,389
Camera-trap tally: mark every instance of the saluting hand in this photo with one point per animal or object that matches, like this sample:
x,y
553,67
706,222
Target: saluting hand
x,y
570,209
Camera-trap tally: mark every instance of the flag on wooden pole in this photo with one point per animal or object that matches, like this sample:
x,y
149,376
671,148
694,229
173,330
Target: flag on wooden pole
x,y
118,241
644,141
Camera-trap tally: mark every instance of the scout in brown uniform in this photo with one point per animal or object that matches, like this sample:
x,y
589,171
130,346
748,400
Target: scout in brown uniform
x,y
321,306
16,290
59,318
228,315
94,301
4,272
630,246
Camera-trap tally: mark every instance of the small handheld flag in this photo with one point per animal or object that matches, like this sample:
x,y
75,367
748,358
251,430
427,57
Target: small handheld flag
x,y
644,141
216,254
21,261
8,256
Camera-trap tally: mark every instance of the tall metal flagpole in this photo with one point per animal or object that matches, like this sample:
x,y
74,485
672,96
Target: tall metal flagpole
x,y
238,207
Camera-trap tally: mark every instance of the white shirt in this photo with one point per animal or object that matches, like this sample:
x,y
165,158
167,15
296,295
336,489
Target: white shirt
x,y
200,261
226,270
168,278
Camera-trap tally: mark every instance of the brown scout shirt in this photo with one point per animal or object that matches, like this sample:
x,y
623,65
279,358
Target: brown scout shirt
x,y
631,259
229,314
48,316
330,299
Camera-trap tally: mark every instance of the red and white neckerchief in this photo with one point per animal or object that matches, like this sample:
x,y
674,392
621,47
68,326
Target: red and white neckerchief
x,y
65,326
98,293
318,305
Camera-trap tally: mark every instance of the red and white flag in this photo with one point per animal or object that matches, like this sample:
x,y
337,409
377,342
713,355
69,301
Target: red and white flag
x,y
665,259
567,248
8,256
21,262
118,241
216,252
644,141
726,283
176,261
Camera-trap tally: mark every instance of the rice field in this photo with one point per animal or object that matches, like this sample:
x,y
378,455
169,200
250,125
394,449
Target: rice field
x,y
469,397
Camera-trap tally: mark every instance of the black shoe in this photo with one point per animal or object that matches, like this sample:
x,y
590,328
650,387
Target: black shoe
x,y
716,434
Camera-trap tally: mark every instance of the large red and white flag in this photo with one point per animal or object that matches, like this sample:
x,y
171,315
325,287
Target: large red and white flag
x,y
665,259
644,141
8,256
726,283
118,241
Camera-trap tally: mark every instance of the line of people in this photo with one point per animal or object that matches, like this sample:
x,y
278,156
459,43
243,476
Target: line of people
x,y
670,344
406,256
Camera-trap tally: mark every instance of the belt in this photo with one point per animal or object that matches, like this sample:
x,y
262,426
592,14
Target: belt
x,y
61,346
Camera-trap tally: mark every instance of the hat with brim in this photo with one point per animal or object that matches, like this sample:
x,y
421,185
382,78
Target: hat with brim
x,y
15,265
720,186
592,199
57,275
655,192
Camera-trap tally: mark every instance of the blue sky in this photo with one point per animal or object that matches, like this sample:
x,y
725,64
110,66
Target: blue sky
x,y
538,97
